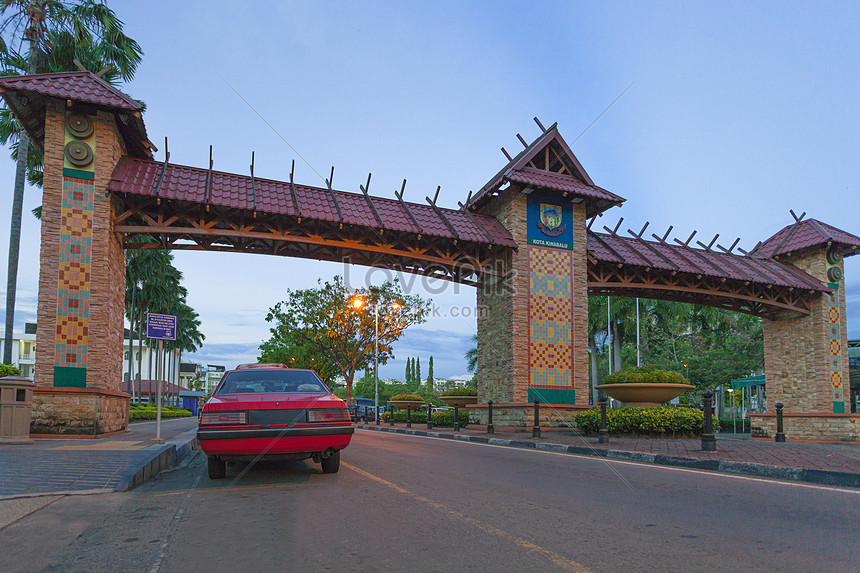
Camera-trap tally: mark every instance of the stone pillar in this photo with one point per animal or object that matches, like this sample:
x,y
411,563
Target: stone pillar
x,y
82,272
806,358
533,325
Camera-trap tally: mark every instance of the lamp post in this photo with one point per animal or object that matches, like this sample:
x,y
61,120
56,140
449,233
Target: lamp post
x,y
358,303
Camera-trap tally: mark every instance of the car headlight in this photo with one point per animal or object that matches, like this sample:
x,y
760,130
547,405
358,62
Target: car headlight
x,y
223,418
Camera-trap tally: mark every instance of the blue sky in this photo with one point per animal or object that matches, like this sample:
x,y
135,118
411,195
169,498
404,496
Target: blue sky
x,y
738,112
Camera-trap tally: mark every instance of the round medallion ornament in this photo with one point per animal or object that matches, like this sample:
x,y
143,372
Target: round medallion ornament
x,y
834,254
834,274
78,153
79,126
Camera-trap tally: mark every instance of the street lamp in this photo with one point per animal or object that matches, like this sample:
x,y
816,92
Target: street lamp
x,y
357,303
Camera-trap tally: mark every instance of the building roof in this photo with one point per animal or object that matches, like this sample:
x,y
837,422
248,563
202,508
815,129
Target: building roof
x,y
524,169
678,258
84,87
26,97
806,234
197,185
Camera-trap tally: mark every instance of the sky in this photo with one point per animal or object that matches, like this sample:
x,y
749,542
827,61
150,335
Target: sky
x,y
736,112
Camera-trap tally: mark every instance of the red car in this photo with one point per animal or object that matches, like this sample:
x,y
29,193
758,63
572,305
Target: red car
x,y
269,411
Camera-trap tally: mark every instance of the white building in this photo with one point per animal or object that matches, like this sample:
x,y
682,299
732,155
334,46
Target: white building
x,y
23,350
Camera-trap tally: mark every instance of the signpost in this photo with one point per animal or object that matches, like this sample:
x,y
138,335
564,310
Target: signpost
x,y
160,327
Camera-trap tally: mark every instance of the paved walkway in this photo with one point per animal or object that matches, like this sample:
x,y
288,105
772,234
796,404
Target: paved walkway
x,y
832,464
114,463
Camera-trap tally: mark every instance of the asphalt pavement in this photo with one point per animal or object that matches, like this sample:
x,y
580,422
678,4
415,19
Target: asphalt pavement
x,y
419,503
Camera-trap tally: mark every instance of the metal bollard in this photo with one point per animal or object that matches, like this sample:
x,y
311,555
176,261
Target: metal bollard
x,y
456,416
490,428
429,417
603,433
378,416
709,442
536,427
391,417
408,415
780,435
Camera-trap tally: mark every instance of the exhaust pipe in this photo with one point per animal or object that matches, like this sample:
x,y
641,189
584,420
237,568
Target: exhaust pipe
x,y
327,454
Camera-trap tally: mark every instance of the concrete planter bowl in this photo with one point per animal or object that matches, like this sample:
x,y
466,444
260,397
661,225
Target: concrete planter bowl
x,y
644,395
462,401
402,404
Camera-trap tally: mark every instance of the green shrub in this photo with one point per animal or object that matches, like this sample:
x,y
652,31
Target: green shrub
x,y
441,419
8,370
728,425
645,376
414,397
148,412
662,421
460,392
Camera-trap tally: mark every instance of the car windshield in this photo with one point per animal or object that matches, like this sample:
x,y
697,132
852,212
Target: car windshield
x,y
263,381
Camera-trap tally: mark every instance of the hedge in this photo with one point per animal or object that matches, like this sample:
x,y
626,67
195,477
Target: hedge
x,y
661,421
442,419
138,412
406,397
644,376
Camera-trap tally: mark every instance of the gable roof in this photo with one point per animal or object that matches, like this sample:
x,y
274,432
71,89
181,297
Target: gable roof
x,y
571,178
26,96
806,234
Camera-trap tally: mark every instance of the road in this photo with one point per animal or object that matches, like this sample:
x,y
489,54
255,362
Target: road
x,y
422,504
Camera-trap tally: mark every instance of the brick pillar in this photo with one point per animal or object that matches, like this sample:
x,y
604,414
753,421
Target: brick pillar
x,y
82,267
533,325
806,365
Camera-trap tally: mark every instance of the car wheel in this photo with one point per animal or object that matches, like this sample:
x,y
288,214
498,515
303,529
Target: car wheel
x,y
331,464
217,467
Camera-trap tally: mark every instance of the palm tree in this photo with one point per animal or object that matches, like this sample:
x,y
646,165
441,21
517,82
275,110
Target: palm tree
x,y
55,34
471,356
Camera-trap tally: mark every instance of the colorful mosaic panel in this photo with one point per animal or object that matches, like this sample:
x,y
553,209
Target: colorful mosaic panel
x,y
73,288
834,317
550,313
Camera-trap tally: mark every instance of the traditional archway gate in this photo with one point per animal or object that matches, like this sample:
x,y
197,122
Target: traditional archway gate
x,y
523,240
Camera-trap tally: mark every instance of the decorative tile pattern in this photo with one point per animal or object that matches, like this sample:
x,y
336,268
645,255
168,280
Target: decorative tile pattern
x,y
73,289
550,317
834,316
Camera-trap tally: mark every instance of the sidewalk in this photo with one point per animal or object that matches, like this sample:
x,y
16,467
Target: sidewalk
x,y
828,464
115,463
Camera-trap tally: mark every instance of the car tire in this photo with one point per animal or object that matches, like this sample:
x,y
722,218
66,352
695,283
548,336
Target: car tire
x,y
217,467
331,464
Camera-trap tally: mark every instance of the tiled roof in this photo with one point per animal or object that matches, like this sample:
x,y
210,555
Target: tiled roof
x,y
803,235
517,170
181,183
755,269
84,87
560,182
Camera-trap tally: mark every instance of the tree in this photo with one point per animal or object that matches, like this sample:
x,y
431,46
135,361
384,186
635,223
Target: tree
x,y
289,347
471,356
329,320
417,378
430,374
408,370
55,34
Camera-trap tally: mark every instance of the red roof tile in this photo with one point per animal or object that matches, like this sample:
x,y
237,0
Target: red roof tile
x,y
560,182
84,87
182,183
803,235
597,199
755,269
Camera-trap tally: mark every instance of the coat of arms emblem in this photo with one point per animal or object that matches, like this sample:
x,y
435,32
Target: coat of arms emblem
x,y
550,220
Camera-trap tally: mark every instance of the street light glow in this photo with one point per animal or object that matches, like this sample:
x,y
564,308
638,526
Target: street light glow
x,y
357,303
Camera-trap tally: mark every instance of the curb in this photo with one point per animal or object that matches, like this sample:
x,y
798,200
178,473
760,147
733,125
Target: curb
x,y
821,477
164,458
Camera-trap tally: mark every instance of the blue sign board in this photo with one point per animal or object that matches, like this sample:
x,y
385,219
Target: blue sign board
x,y
160,326
550,220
